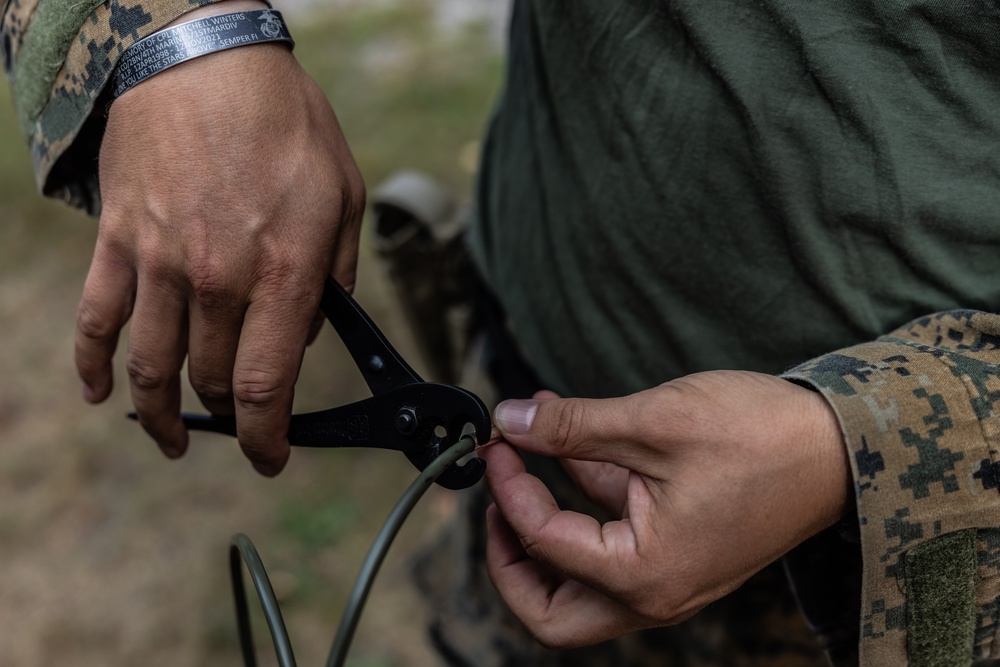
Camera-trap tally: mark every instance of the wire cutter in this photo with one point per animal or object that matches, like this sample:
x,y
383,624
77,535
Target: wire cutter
x,y
405,414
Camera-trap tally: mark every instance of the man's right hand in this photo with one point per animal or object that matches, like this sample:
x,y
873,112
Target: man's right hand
x,y
229,194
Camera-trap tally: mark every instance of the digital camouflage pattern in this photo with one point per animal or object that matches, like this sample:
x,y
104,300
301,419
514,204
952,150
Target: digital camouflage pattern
x,y
758,625
16,17
920,412
78,87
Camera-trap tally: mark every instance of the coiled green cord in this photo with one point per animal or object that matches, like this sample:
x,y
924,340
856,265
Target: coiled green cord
x,y
243,551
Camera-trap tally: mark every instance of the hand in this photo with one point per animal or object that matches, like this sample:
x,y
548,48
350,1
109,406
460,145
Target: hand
x,y
229,193
714,476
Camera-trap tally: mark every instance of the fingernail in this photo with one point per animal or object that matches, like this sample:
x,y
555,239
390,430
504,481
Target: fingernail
x,y
515,417
88,392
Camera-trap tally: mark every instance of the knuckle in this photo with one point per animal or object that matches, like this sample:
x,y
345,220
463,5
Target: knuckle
x,y
258,389
145,374
532,546
159,259
208,282
289,288
93,324
155,265
114,242
211,389
649,415
276,275
567,423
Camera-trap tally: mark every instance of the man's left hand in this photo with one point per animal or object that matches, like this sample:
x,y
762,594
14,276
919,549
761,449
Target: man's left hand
x,y
714,476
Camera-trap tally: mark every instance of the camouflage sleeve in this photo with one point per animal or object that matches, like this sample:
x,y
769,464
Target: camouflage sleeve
x,y
920,412
58,55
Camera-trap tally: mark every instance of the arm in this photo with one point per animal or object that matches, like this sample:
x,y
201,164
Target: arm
x,y
228,194
918,409
709,486
717,474
58,56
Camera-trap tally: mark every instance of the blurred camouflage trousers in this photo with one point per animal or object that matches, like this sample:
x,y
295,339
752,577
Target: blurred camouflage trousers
x,y
760,624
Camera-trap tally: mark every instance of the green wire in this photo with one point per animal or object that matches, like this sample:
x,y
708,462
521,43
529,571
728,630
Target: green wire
x,y
376,554
243,549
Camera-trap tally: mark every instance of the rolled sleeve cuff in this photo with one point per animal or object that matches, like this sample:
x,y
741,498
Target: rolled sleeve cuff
x,y
63,122
919,414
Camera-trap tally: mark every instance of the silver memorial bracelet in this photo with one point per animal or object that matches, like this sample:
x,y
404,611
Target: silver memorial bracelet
x,y
154,53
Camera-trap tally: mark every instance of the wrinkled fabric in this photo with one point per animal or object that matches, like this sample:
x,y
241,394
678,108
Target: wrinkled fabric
x,y
671,187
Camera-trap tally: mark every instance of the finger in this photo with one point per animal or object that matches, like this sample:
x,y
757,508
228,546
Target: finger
x,y
603,483
504,551
575,428
574,544
559,612
216,318
272,343
106,305
545,393
345,258
315,327
156,349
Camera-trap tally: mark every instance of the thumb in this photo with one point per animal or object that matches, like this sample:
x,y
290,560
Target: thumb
x,y
575,428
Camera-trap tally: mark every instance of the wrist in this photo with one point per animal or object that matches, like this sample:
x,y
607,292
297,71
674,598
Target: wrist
x,y
836,481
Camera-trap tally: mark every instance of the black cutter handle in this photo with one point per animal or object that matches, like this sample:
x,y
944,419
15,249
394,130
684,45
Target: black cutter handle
x,y
379,363
419,420
404,414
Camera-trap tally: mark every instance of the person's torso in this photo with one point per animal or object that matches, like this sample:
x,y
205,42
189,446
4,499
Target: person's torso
x,y
670,187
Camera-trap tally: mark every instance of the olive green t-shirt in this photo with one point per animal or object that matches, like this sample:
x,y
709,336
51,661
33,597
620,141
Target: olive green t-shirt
x,y
674,186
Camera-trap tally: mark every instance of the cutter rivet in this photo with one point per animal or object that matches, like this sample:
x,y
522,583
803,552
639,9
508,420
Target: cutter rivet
x,y
376,364
406,421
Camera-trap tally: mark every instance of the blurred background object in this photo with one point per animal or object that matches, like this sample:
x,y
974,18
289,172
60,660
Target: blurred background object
x,y
420,236
112,555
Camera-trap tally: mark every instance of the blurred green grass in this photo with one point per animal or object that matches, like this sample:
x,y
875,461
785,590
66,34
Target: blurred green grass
x,y
114,556
404,93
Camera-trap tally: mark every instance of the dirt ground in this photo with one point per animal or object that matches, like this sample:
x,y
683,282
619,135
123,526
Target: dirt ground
x,y
112,555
